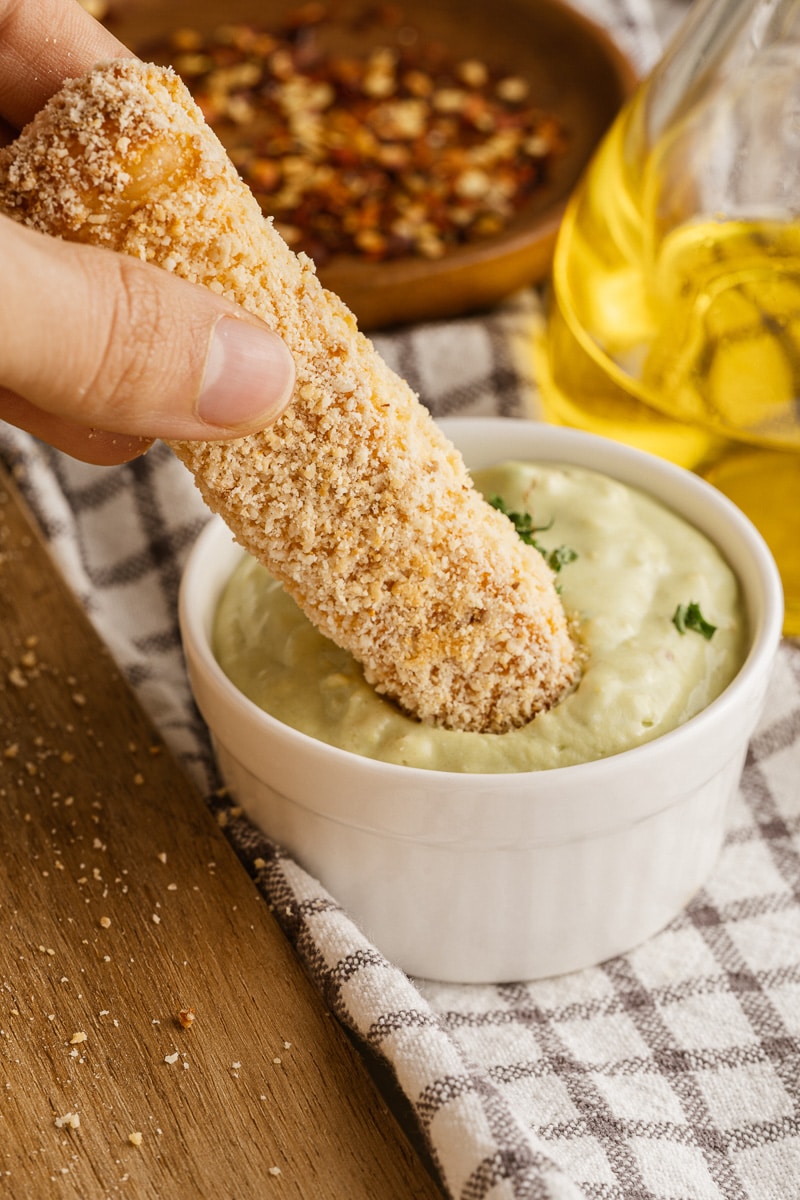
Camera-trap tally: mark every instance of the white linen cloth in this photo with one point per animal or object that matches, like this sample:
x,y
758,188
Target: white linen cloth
x,y
669,1073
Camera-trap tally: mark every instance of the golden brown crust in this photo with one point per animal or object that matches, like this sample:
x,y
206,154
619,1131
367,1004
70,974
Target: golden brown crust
x,y
353,499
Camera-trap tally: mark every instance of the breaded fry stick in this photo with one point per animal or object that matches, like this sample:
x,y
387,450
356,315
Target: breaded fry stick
x,y
353,499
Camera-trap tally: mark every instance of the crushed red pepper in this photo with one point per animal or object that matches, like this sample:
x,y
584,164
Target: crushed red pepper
x,y
399,149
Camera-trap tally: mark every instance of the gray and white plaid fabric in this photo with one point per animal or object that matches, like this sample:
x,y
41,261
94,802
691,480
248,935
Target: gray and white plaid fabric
x,y
670,1073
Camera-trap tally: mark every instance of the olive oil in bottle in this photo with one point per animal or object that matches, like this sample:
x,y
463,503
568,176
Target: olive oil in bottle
x,y
681,337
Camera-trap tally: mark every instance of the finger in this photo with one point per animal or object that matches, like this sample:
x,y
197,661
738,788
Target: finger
x,y
90,445
42,43
108,342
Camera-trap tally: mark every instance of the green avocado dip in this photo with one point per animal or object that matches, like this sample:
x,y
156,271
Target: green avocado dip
x,y
630,566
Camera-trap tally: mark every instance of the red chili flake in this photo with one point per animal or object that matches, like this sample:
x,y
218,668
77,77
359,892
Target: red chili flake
x,y
400,150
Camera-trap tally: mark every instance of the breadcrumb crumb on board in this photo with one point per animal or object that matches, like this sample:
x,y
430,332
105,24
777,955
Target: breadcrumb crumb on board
x,y
354,499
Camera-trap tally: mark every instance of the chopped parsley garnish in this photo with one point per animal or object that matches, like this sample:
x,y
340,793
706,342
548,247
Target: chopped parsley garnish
x,y
560,557
523,523
688,616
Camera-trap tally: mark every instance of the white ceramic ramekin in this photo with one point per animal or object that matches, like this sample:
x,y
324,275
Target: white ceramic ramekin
x,y
488,878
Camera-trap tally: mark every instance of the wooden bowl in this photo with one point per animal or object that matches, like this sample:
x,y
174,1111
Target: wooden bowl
x,y
574,71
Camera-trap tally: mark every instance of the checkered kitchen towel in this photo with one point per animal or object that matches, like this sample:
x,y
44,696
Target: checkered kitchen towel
x,y
670,1073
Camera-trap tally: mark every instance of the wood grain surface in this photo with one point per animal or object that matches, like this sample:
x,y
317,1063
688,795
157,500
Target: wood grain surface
x,y
121,903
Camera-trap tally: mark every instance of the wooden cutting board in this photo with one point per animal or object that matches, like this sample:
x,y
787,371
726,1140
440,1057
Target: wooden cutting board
x,y
121,903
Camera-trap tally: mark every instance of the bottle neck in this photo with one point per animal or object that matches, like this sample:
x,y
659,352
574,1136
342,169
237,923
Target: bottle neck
x,y
716,37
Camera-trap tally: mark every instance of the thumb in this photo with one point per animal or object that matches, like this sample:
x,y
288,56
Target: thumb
x,y
103,341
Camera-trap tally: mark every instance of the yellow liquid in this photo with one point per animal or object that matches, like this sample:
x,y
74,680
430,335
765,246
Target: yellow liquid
x,y
686,344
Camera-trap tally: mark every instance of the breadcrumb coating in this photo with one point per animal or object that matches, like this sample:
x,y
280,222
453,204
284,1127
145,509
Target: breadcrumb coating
x,y
354,499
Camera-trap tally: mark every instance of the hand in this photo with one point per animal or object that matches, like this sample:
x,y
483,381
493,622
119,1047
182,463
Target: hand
x,y
100,353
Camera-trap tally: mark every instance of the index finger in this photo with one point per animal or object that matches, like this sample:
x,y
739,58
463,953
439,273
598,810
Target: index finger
x,y
42,43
